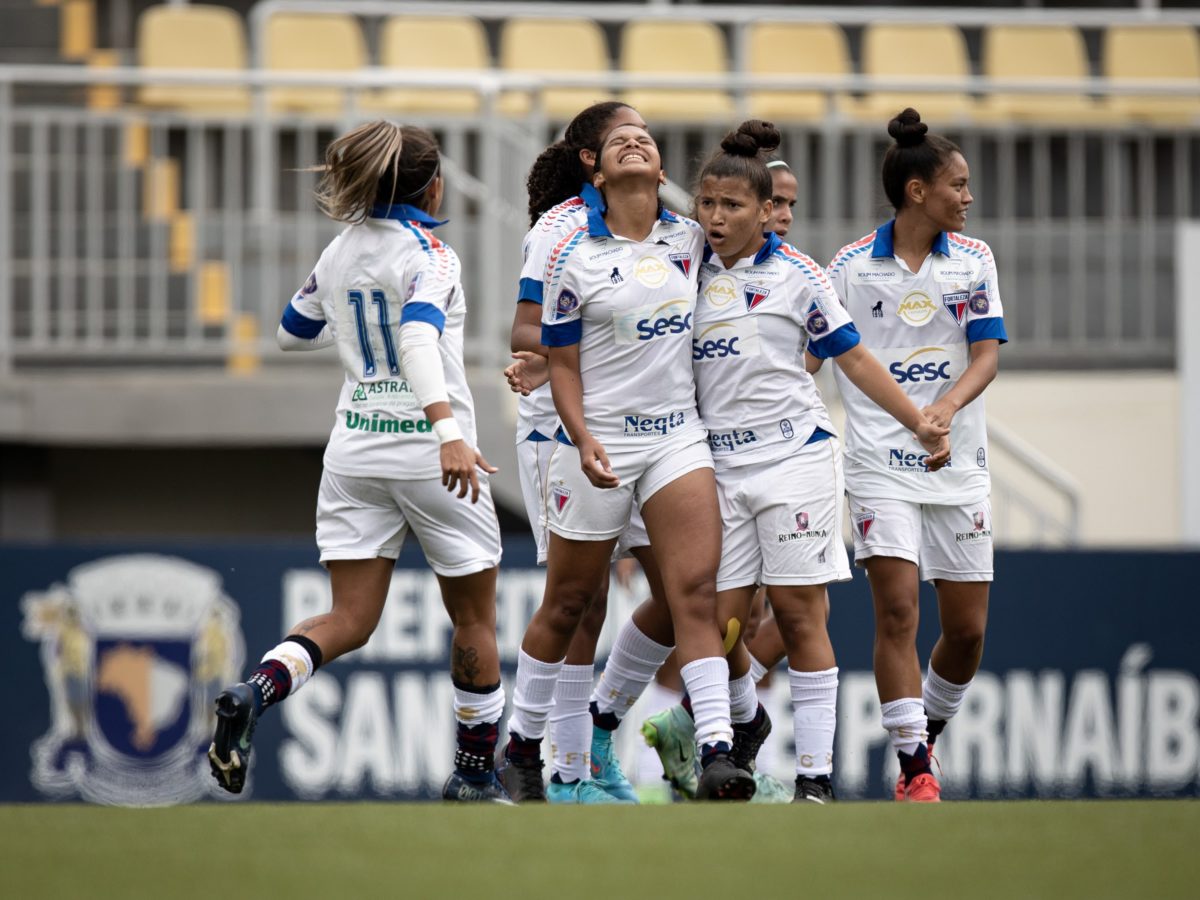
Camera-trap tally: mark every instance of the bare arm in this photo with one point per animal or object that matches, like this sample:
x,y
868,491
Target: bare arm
x,y
985,362
865,373
566,385
527,329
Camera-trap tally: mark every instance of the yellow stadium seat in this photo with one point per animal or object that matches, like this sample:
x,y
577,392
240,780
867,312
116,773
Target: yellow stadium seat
x,y
911,51
431,42
676,48
553,45
795,48
311,42
1153,52
1034,53
192,37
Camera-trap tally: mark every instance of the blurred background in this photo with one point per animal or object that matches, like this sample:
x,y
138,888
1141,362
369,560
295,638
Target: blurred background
x,y
156,215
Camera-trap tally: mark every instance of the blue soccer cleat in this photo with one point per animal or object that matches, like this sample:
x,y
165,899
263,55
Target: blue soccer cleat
x,y
606,768
458,789
582,792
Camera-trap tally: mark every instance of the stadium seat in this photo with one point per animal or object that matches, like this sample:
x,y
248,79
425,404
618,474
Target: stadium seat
x,y
676,48
795,48
431,42
1153,52
192,37
553,45
915,52
311,42
1033,53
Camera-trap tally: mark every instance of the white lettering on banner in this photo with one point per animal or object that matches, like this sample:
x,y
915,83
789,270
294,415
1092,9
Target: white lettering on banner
x,y
1172,742
1089,737
858,731
308,757
1034,709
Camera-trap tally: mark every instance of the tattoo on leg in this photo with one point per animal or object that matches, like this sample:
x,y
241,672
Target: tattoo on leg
x,y
309,624
464,665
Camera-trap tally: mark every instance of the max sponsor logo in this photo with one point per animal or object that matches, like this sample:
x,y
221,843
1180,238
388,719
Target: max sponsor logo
x,y
653,426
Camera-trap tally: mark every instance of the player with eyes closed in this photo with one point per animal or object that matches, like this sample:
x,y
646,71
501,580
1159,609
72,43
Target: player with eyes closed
x,y
927,301
387,293
621,378
762,303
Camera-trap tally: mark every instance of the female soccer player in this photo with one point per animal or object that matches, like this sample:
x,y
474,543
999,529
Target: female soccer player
x,y
582,721
617,317
762,304
929,307
402,450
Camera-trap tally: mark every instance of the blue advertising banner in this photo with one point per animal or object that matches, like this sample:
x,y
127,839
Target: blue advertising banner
x,y
112,655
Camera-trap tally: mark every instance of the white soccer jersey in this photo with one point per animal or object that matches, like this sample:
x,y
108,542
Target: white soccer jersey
x,y
753,324
371,279
535,414
629,305
920,326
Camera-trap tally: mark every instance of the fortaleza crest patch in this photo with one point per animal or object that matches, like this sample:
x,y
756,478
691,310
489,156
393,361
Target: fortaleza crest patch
x,y
755,295
134,651
863,520
956,304
559,495
683,262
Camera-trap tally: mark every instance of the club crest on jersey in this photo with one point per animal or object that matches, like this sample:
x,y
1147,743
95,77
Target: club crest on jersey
x,y
683,262
863,521
134,649
815,322
310,286
560,495
801,521
956,304
979,301
755,294
413,285
566,304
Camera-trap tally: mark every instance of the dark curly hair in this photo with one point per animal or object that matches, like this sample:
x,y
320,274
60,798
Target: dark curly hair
x,y
916,154
557,172
743,155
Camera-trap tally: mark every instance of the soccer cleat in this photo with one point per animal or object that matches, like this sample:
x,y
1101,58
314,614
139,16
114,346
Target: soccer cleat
x,y
229,754
458,789
768,789
522,779
672,734
748,738
813,790
923,788
722,780
606,768
899,795
585,792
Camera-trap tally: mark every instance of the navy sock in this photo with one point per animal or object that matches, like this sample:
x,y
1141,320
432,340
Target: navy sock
x,y
914,764
709,752
607,721
686,703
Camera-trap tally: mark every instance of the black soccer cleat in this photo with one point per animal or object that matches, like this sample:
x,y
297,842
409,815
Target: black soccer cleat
x,y
229,755
722,780
813,790
458,789
748,739
522,779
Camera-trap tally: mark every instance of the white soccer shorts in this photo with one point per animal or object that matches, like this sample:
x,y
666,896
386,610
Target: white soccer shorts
x,y
577,510
949,542
783,520
364,518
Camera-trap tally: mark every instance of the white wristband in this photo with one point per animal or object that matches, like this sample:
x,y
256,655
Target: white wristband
x,y
447,430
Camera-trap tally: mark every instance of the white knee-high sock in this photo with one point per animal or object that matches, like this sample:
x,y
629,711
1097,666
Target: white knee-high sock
x,y
533,696
743,699
906,723
707,683
757,670
942,698
814,718
571,723
631,665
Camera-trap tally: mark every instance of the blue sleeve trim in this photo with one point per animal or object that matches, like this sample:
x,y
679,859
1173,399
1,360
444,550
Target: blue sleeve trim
x,y
295,322
423,312
562,335
990,329
530,291
819,434
836,342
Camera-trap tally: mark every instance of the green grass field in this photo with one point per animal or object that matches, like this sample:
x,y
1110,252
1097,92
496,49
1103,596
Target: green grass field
x,y
272,851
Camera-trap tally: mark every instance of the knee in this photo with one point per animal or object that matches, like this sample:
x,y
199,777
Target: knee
x,y
896,620
966,637
358,632
565,608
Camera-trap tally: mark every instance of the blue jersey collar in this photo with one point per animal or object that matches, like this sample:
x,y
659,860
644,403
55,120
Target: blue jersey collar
x,y
885,245
403,212
591,195
597,227
765,251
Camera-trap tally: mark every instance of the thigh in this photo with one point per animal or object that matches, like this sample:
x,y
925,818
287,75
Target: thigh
x,y
885,527
684,522
956,542
457,536
358,518
741,555
533,464
798,515
578,510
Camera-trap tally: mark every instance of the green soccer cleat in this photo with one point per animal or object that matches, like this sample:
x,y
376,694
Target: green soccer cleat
x,y
672,734
769,789
606,768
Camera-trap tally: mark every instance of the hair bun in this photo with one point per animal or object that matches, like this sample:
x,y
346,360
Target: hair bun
x,y
751,138
907,128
